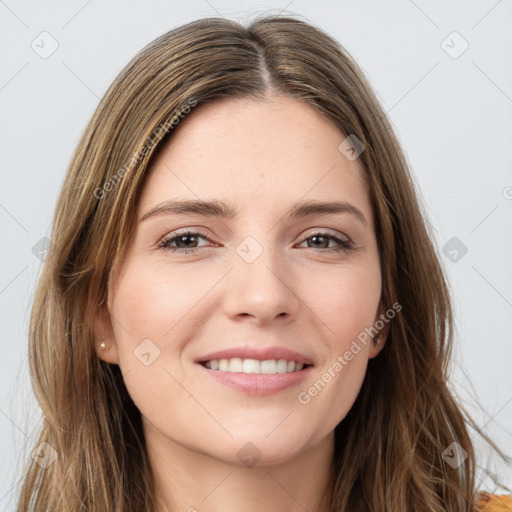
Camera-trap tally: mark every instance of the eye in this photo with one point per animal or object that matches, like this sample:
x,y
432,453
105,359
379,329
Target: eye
x,y
186,239
324,237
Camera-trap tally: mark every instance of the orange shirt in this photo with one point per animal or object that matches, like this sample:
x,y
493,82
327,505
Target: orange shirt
x,y
494,502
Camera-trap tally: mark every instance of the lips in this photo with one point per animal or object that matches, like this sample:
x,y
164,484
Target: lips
x,y
256,371
260,354
256,384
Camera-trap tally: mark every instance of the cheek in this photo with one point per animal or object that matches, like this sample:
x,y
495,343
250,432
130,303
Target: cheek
x,y
156,310
347,304
346,300
151,302
150,306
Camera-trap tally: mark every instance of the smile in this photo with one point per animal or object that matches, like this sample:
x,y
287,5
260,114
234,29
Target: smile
x,y
266,367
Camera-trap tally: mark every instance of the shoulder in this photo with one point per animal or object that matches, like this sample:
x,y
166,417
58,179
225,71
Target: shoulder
x,y
494,502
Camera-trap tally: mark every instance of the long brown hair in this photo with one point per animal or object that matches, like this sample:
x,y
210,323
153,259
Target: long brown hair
x,y
388,449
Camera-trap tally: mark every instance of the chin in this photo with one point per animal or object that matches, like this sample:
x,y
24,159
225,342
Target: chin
x,y
258,449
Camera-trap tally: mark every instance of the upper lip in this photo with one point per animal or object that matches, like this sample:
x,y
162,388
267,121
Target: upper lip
x,y
259,353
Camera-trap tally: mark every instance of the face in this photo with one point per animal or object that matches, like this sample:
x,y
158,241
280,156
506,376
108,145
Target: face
x,y
268,282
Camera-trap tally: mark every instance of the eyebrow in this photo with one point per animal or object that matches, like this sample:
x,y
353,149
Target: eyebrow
x,y
221,209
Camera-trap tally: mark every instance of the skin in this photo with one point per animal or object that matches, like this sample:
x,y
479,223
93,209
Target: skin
x,y
262,157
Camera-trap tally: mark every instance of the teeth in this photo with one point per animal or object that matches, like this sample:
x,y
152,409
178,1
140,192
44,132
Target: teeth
x,y
267,367
282,365
251,366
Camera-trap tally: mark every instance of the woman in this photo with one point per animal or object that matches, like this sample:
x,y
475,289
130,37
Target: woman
x,y
294,356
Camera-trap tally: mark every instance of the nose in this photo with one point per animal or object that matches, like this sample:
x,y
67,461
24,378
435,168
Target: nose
x,y
263,289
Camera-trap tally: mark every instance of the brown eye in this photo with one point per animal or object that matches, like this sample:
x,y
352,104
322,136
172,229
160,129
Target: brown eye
x,y
186,241
321,241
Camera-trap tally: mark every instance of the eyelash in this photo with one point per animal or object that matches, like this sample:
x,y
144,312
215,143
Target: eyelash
x,y
345,245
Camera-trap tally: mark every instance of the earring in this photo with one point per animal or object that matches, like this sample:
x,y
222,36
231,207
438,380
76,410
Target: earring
x,y
102,344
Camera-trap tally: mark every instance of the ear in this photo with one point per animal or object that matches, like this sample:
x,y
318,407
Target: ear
x,y
104,332
380,338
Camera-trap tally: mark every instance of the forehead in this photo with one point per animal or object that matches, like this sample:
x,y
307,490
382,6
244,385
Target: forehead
x,y
259,155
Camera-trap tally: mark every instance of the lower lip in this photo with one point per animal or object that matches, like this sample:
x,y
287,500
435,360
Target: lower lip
x,y
257,383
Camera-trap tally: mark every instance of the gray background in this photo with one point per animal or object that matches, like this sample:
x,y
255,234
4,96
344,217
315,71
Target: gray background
x,y
451,111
